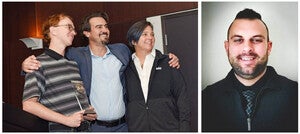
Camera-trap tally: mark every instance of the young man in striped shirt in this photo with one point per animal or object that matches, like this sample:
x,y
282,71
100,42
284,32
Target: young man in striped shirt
x,y
55,91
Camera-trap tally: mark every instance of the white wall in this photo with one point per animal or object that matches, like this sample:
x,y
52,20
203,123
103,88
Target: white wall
x,y
156,22
281,19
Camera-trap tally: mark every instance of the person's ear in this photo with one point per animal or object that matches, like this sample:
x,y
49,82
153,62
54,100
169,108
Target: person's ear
x,y
86,34
52,30
133,43
226,45
269,49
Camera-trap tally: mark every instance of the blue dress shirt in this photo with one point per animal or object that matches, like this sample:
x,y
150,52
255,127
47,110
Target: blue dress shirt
x,y
106,87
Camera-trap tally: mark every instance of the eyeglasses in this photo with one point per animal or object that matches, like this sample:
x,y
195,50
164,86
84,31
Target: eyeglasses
x,y
70,27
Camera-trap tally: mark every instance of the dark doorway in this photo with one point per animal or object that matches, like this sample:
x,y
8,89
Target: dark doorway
x,y
180,32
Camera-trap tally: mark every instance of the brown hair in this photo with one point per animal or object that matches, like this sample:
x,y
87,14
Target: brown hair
x,y
52,21
85,25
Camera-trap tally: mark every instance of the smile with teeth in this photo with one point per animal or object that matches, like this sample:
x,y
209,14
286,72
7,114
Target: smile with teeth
x,y
247,58
103,34
147,42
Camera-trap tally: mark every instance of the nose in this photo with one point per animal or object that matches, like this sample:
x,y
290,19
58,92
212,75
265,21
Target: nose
x,y
150,36
74,32
105,29
247,47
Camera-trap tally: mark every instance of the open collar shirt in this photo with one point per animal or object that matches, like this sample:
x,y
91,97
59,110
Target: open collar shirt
x,y
145,71
106,88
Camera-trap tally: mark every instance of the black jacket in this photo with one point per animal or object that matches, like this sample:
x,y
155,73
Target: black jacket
x,y
167,107
276,106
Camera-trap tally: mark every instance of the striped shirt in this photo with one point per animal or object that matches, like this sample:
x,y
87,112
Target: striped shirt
x,y
57,84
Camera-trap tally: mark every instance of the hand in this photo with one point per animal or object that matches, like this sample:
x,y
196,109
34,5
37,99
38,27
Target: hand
x,y
174,62
75,119
90,114
30,64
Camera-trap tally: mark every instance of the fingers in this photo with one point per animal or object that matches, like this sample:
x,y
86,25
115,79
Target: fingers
x,y
91,108
30,64
171,56
174,64
90,114
80,112
90,117
34,62
77,118
174,61
77,123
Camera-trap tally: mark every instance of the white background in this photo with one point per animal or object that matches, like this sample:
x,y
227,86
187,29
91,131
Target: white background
x,y
281,19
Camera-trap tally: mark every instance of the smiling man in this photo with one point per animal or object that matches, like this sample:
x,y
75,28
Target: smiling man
x,y
102,66
252,97
55,91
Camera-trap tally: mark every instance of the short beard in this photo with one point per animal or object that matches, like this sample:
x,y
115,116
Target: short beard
x,y
257,70
105,42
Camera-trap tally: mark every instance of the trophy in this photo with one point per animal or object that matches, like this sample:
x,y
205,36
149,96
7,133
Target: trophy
x,y
79,91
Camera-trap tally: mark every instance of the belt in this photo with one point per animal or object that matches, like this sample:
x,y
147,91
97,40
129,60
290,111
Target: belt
x,y
111,123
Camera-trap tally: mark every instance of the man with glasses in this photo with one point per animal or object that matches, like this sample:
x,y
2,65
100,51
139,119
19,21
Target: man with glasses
x,y
102,67
55,91
69,26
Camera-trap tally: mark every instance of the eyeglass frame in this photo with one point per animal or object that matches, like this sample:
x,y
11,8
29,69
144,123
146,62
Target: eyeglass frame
x,y
70,27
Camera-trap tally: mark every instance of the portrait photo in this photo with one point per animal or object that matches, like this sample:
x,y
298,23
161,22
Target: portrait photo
x,y
249,69
282,21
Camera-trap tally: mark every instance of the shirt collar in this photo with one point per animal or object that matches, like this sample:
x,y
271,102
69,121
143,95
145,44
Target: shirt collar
x,y
53,54
108,52
153,54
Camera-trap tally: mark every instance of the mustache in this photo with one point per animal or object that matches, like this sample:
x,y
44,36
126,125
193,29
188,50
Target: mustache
x,y
247,54
104,33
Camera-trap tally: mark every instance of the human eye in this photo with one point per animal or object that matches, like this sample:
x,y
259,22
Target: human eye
x,y
98,26
152,34
144,34
256,40
106,26
70,27
237,40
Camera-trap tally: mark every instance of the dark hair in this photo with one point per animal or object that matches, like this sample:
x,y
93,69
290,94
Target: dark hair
x,y
52,21
251,15
135,31
85,25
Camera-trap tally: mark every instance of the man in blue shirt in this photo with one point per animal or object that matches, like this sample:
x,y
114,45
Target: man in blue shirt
x,y
102,67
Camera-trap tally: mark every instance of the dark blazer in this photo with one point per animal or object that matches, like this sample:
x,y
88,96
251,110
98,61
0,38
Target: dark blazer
x,y
82,56
167,107
276,107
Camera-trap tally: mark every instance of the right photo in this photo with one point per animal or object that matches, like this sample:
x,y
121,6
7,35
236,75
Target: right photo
x,y
249,55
